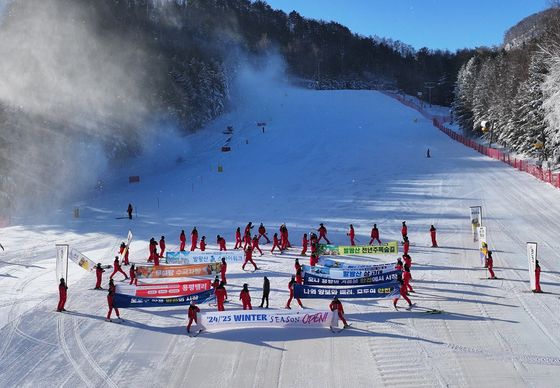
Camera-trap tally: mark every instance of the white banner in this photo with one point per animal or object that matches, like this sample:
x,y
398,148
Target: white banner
x,y
128,241
82,260
61,262
221,320
476,220
483,244
188,257
532,258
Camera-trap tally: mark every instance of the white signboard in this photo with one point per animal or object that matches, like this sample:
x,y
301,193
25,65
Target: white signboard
x,y
476,220
221,320
62,262
532,258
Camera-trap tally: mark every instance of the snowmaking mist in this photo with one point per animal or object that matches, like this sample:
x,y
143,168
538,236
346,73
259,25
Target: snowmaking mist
x,y
75,93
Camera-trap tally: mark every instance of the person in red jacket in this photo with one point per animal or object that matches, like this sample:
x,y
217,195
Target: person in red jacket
x,y
62,295
304,243
314,242
117,268
433,236
352,235
245,297
323,233
238,240
284,237
223,270
192,315
402,292
490,264
247,240
248,258
110,296
404,230
161,246
194,239
156,259
399,265
291,288
407,260
313,260
336,305
248,228
182,240
99,275
407,277
203,243
406,245
221,296
255,244
537,277
215,283
221,242
299,277
374,235
153,249
297,265
262,233
123,249
133,278
275,243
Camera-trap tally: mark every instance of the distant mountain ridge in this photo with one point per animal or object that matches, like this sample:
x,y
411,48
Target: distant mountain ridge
x,y
530,28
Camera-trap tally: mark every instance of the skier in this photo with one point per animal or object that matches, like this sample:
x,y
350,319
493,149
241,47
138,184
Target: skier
x,y
203,243
374,235
99,274
402,292
266,292
223,270
407,277
313,260
256,244
62,295
133,278
433,236
245,297
404,230
428,153
407,260
248,228
117,268
297,265
191,314
299,278
275,243
406,245
110,295
194,238
221,242
124,249
490,265
237,238
291,288
537,277
336,305
129,211
248,258
221,296
314,242
156,258
183,241
399,265
153,249
323,233
161,246
351,234
304,243
262,233
284,240
247,240
215,283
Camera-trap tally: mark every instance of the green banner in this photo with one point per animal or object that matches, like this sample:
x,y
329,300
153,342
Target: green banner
x,y
388,248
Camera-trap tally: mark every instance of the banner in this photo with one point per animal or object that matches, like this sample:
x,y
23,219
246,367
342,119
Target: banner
x,y
382,290
177,271
343,273
187,257
61,262
532,258
163,290
311,279
122,300
128,241
327,249
263,318
81,260
387,248
326,262
476,220
482,243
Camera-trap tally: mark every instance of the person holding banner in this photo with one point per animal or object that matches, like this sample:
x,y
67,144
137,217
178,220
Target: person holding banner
x,y
215,283
110,295
133,277
407,260
352,235
374,235
262,233
537,277
191,314
255,244
297,265
203,244
433,236
402,291
248,258
404,230
266,292
304,243
117,268
161,246
182,240
336,305
490,265
123,249
406,245
62,295
221,296
221,242
322,233
194,239
245,297
291,288
299,277
313,260
237,238
399,265
407,277
275,243
223,270
99,274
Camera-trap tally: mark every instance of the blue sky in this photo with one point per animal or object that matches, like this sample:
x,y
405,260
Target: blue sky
x,y
436,24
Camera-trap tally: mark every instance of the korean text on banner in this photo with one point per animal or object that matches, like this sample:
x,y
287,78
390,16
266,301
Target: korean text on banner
x,y
61,262
343,273
122,300
248,318
387,248
312,280
483,244
177,271
532,258
476,220
382,290
163,290
81,260
188,257
334,264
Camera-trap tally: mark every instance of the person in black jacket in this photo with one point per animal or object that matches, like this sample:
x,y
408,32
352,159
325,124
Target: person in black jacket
x,y
266,291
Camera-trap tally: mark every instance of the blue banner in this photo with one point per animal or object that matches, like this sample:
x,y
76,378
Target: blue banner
x,y
382,290
314,280
122,300
326,262
343,273
188,257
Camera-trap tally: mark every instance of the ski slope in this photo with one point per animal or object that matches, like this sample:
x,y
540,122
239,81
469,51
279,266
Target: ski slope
x,y
336,157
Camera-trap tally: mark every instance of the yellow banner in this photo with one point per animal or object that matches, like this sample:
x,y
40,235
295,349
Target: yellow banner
x,y
388,248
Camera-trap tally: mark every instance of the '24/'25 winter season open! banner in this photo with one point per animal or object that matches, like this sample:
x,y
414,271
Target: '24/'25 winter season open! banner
x,y
249,318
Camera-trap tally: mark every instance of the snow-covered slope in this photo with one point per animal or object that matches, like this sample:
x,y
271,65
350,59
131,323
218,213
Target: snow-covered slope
x,y
333,157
